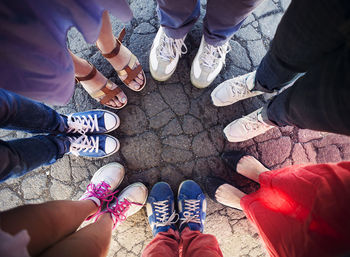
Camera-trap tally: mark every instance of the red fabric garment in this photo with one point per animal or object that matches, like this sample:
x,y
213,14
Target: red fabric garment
x,y
190,244
303,210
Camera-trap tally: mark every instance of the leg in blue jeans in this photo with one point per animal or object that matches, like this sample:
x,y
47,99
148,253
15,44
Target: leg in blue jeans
x,y
312,40
178,17
223,17
22,155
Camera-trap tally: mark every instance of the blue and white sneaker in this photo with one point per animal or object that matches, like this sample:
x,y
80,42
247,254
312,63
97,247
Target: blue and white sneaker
x,y
160,208
92,122
192,206
97,146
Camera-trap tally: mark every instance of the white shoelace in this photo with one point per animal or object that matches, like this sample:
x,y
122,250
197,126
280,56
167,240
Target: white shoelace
x,y
240,88
191,213
84,143
253,123
82,124
163,218
170,48
213,54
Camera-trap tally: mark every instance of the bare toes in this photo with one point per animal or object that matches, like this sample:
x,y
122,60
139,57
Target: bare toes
x,y
117,103
138,81
121,97
140,76
134,85
111,103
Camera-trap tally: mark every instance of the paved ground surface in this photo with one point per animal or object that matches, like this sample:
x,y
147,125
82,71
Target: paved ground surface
x,y
172,132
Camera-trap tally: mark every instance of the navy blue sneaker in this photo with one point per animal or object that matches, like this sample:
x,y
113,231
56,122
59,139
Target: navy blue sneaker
x,y
160,208
97,146
192,206
92,122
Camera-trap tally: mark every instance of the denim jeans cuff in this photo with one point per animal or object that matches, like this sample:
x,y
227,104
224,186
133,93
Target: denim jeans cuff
x,y
175,33
63,144
64,125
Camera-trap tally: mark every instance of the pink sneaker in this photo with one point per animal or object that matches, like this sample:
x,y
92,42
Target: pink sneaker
x,y
129,201
102,185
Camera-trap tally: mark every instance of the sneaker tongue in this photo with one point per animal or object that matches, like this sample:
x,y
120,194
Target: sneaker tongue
x,y
192,226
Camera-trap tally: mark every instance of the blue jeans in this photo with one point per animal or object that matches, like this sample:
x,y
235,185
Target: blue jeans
x,y
22,155
311,49
223,17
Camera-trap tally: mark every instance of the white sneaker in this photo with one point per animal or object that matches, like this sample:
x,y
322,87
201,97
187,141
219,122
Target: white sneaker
x,y
165,54
234,90
129,201
246,127
103,183
208,63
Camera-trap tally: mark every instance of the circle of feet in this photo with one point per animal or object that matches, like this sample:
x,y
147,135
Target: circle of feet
x,y
171,131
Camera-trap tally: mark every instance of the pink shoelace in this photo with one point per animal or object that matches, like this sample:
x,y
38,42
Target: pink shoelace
x,y
118,209
101,192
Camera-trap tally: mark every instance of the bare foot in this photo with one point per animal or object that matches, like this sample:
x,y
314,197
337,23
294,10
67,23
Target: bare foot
x,y
250,167
99,81
229,196
120,61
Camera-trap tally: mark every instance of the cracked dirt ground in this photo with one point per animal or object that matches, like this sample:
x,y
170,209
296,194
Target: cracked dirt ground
x,y
171,132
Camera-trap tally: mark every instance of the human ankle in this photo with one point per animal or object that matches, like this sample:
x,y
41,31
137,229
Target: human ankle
x,y
83,68
106,45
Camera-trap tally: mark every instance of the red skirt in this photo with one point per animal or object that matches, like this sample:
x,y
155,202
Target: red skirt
x,y
303,210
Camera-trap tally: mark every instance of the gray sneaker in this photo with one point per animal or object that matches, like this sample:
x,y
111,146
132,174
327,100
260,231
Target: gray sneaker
x,y
246,127
164,55
234,90
208,63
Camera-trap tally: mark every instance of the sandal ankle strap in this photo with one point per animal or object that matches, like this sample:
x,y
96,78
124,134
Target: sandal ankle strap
x,y
115,51
87,77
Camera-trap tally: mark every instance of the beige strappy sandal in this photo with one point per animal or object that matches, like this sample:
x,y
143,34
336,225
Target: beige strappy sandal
x,y
106,93
128,69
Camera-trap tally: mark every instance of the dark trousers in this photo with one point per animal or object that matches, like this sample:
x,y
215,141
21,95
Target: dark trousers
x,y
22,155
312,49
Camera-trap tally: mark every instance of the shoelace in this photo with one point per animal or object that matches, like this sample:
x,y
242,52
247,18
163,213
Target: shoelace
x,y
170,47
162,214
82,124
99,191
240,88
191,213
118,209
83,143
212,54
253,123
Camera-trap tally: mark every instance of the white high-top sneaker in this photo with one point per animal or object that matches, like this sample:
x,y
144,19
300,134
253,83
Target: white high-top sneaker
x,y
208,63
165,54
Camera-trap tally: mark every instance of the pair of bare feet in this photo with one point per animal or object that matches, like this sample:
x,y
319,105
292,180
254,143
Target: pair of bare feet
x,y
247,166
